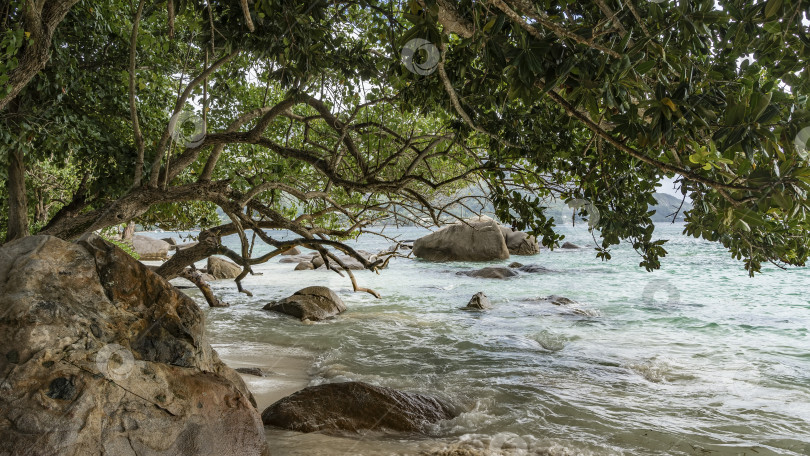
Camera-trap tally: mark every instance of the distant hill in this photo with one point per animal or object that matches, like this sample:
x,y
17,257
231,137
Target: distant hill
x,y
667,206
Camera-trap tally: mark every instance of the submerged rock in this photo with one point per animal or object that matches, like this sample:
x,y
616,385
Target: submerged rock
x,y
479,301
311,303
534,269
491,272
570,246
102,356
255,371
222,269
515,265
355,407
150,249
479,239
560,300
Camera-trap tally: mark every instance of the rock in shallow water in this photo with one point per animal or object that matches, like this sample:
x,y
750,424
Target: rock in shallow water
x,y
102,356
491,272
150,249
222,269
480,239
354,407
311,303
254,371
479,301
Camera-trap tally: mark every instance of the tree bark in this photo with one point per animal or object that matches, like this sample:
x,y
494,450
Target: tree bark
x,y
17,199
129,231
194,276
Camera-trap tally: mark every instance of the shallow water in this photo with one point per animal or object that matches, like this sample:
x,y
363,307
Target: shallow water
x,y
696,358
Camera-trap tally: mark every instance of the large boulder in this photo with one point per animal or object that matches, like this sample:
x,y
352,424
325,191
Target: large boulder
x,y
222,269
99,355
491,272
311,303
520,243
150,249
291,251
479,239
355,407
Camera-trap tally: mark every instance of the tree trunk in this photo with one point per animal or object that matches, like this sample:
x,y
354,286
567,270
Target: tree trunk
x,y
129,231
40,20
17,200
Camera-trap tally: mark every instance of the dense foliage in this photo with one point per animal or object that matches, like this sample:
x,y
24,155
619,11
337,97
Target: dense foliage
x,y
304,115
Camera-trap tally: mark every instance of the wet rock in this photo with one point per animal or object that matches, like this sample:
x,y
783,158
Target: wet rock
x,y
304,266
355,407
222,269
110,359
480,239
479,301
491,272
534,269
570,246
560,300
515,265
255,371
292,251
150,249
311,303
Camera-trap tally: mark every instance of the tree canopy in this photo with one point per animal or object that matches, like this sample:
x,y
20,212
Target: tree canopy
x,y
329,118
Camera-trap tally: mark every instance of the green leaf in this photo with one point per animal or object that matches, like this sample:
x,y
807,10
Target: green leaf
x,y
772,7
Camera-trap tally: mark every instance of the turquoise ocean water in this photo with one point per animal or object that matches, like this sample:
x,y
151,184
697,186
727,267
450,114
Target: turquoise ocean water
x,y
696,358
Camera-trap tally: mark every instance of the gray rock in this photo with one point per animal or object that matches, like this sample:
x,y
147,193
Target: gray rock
x,y
479,301
354,407
515,265
570,245
560,301
304,266
222,269
102,356
169,241
534,269
150,249
491,272
311,303
292,251
520,243
292,259
480,239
